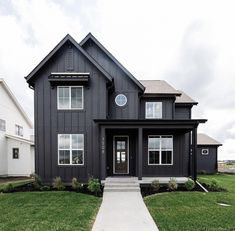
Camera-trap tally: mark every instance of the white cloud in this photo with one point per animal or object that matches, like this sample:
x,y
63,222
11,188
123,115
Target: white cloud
x,y
188,43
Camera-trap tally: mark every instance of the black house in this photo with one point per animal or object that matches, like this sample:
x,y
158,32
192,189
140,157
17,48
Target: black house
x,y
94,118
207,154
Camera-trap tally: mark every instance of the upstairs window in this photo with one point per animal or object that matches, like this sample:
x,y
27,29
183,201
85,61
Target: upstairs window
x,y
121,100
70,97
160,150
71,149
153,110
2,125
18,130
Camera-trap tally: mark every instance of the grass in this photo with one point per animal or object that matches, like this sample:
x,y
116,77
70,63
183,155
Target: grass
x,y
36,211
186,211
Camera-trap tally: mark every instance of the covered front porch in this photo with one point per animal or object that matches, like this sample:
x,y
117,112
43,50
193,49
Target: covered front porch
x,y
124,149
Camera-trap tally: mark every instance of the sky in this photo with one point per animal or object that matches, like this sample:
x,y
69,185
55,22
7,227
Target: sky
x,y
190,44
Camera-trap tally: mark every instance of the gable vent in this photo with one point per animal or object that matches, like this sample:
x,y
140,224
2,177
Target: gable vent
x,y
69,60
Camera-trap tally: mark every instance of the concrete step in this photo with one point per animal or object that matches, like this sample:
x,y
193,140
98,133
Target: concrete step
x,y
122,189
121,185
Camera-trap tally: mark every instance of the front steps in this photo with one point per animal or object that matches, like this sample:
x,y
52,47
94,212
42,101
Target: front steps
x,y
121,185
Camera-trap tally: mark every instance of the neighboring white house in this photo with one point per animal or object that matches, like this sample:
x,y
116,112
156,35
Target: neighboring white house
x,y
16,144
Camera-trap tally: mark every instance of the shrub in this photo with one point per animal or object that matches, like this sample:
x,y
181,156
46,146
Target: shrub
x,y
37,181
58,184
8,188
94,185
211,185
172,184
189,184
45,188
76,185
155,185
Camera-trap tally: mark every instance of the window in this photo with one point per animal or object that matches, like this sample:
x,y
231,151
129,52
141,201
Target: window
x,y
205,151
2,125
160,150
70,149
121,100
15,153
18,130
153,110
70,97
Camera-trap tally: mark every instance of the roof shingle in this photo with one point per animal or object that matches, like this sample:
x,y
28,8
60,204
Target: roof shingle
x,y
203,139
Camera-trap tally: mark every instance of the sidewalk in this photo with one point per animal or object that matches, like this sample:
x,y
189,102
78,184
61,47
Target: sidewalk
x,y
123,211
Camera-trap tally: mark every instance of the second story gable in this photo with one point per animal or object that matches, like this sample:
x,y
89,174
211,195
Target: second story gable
x,y
77,83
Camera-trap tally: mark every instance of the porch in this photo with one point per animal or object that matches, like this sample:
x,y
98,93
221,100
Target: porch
x,y
134,135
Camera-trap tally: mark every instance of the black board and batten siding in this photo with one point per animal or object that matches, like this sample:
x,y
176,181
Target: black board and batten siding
x,y
99,104
50,122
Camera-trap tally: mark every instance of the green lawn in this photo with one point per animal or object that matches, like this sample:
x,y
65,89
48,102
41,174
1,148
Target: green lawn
x,y
186,211
47,211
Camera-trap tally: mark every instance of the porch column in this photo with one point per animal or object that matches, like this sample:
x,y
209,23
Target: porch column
x,y
194,153
140,152
102,153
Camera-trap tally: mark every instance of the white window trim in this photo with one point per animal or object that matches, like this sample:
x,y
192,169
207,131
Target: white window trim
x,y
160,150
18,129
154,114
204,150
70,99
4,122
117,102
70,150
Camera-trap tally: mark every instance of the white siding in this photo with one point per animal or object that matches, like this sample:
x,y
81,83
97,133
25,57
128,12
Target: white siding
x,y
21,166
13,115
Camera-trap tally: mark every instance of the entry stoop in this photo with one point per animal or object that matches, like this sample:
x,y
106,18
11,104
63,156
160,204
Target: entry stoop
x,y
121,185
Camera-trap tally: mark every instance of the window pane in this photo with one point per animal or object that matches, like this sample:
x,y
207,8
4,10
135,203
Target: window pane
x,y
153,157
77,141
77,157
64,156
63,97
158,109
154,142
121,145
167,143
166,157
64,141
76,97
149,110
2,125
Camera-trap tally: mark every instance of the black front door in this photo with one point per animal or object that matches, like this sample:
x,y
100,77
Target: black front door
x,y
121,155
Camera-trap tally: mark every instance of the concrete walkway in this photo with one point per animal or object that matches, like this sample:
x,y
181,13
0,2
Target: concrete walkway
x,y
123,211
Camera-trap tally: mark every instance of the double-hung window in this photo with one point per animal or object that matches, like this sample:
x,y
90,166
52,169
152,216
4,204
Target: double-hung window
x,y
70,97
2,125
18,130
70,149
153,110
160,150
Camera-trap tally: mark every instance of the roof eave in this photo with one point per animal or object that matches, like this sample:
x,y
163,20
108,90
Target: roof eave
x,y
56,48
90,36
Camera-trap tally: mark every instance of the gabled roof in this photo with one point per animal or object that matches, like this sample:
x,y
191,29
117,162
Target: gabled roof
x,y
203,139
59,45
15,101
185,99
90,36
159,87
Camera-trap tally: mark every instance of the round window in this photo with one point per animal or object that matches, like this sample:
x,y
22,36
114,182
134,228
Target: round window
x,y
120,100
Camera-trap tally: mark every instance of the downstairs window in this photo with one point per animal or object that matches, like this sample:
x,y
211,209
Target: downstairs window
x,y
160,150
70,149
